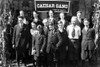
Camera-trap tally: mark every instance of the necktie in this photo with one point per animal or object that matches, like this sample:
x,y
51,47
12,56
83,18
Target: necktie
x,y
73,33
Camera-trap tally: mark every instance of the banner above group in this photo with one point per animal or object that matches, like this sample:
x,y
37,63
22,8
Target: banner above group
x,y
57,6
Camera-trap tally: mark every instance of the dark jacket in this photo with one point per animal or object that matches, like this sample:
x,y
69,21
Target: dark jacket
x,y
39,22
21,37
8,36
66,23
39,43
62,46
81,23
46,29
53,40
88,39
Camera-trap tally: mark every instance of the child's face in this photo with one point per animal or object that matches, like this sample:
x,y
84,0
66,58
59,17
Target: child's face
x,y
21,13
60,25
33,25
40,29
51,27
86,23
20,20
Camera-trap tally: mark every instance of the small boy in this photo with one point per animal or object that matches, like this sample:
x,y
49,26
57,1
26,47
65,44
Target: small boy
x,y
40,42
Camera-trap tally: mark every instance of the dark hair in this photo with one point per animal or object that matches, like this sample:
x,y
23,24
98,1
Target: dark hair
x,y
36,13
21,10
48,13
79,12
40,28
51,23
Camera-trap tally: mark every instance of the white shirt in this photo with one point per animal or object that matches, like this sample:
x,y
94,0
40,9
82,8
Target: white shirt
x,y
35,19
77,31
86,28
24,21
34,32
51,19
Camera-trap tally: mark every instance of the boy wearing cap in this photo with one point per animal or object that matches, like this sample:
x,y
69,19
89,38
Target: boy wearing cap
x,y
40,42
51,45
62,45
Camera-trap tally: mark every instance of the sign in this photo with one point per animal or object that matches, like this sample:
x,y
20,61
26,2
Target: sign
x,y
57,6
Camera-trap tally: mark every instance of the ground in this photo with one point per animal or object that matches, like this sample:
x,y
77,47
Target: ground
x,y
31,65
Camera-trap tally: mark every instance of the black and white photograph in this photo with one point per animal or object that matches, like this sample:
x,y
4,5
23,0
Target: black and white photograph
x,y
49,33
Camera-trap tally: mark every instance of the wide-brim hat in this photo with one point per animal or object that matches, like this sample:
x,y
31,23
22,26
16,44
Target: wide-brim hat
x,y
39,27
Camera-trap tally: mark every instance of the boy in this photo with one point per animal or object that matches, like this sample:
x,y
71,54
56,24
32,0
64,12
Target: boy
x,y
88,44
